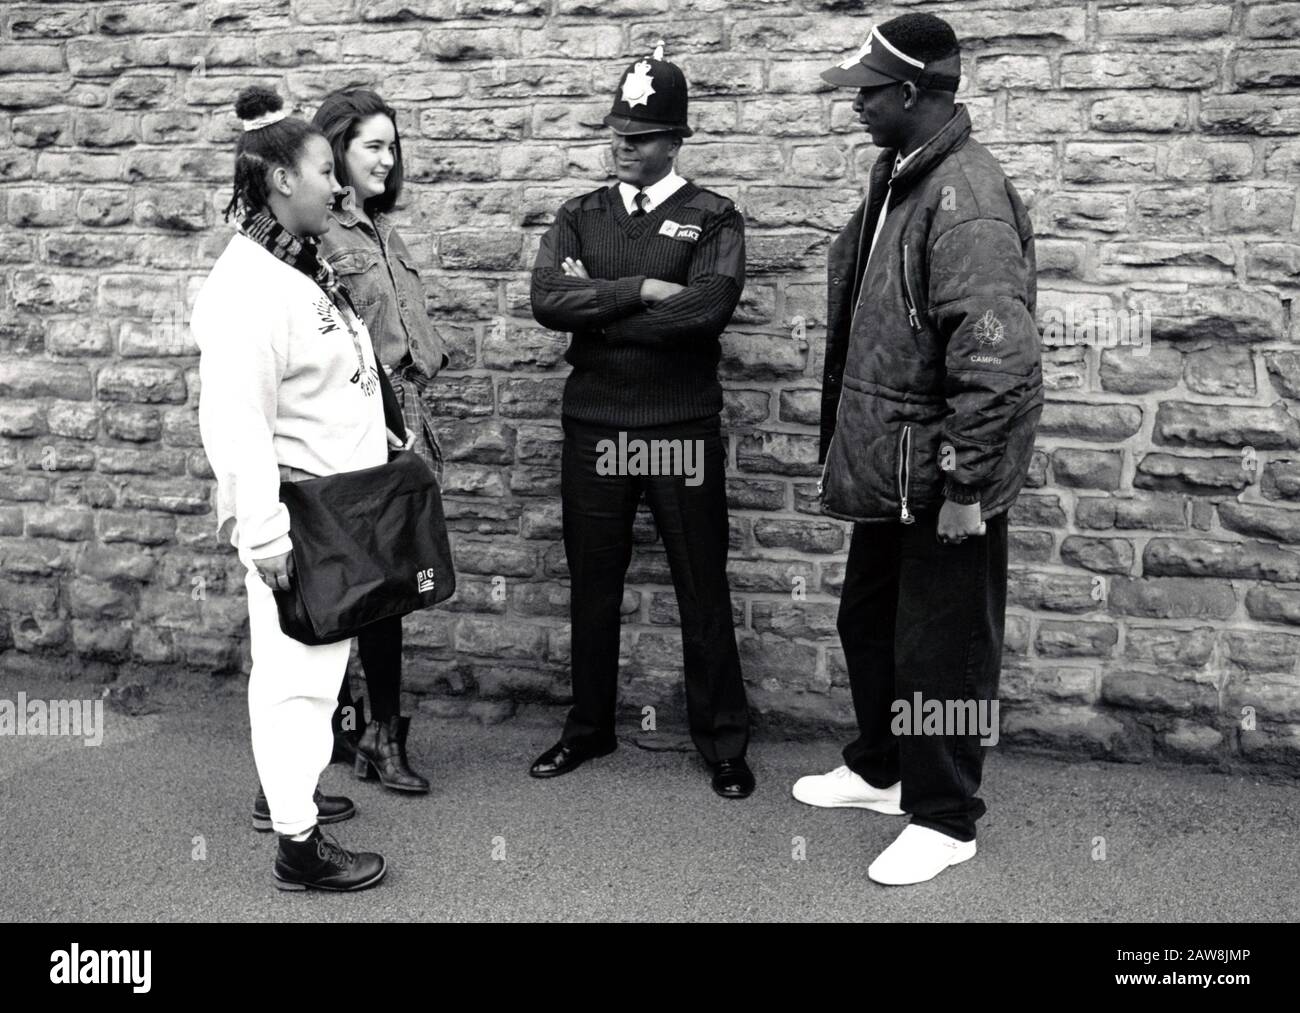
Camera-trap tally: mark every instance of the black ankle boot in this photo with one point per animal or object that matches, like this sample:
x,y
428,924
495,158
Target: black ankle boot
x,y
345,741
382,752
321,863
329,809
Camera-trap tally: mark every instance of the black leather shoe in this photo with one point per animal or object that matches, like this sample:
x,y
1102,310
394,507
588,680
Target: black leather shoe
x,y
733,778
329,809
566,756
321,863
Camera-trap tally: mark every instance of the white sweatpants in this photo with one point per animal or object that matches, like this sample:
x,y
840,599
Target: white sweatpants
x,y
292,693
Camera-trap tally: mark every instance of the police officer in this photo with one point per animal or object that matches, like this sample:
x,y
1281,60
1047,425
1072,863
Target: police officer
x,y
931,395
646,274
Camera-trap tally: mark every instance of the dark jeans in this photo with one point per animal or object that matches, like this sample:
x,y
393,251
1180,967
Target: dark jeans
x,y
917,615
380,648
692,520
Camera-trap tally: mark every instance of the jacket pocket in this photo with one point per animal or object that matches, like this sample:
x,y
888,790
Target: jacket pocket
x,y
860,480
404,255
356,270
427,345
409,288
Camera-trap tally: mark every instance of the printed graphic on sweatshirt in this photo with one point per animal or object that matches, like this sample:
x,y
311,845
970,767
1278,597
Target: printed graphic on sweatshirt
x,y
366,376
328,322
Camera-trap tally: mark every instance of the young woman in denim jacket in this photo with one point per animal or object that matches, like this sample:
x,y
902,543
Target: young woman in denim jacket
x,y
373,263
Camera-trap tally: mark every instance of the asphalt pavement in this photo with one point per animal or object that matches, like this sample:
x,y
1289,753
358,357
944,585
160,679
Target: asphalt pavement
x,y
153,825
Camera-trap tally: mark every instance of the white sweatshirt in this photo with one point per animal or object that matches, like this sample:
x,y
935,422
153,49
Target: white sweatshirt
x,y
275,375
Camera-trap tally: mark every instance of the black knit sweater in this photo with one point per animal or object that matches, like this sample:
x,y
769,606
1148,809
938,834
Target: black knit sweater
x,y
633,364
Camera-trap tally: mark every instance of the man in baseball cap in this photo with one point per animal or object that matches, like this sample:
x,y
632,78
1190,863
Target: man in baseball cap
x,y
880,62
931,394
646,274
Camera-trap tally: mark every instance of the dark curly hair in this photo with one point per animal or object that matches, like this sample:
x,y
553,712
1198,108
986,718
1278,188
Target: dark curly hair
x,y
922,36
264,149
339,118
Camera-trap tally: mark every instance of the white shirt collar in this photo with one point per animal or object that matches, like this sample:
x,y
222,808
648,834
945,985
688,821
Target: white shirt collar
x,y
657,192
900,161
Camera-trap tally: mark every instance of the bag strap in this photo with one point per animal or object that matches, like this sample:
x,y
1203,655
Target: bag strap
x,y
393,417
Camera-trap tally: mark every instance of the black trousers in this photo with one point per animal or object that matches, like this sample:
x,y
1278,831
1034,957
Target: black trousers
x,y
920,616
599,511
380,649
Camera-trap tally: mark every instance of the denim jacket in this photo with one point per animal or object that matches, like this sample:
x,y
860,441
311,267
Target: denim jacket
x,y
382,278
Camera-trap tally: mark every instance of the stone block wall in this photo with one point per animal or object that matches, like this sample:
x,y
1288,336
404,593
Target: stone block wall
x,y
1155,585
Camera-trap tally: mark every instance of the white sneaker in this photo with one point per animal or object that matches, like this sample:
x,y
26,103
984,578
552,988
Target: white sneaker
x,y
842,787
919,854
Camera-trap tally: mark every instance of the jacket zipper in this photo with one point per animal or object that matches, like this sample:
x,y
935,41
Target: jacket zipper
x,y
905,472
912,317
821,482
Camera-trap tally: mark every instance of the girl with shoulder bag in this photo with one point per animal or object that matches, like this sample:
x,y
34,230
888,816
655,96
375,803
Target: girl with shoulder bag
x,y
289,389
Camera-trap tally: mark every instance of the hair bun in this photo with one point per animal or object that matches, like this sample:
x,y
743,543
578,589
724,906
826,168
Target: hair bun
x,y
257,100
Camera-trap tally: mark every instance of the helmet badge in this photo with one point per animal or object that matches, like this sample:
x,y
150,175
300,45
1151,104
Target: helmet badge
x,y
639,86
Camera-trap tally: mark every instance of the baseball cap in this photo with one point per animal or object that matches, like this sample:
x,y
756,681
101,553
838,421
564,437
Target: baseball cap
x,y
878,61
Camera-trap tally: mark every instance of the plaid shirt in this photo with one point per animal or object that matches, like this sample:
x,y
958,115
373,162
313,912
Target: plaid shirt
x,y
418,420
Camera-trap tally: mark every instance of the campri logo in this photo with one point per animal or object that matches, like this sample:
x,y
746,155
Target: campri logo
x,y
102,967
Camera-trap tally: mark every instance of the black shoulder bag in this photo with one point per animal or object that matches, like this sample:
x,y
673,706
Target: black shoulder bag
x,y
367,545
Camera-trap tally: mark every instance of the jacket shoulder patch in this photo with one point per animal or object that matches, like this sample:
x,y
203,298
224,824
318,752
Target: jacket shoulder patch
x,y
988,329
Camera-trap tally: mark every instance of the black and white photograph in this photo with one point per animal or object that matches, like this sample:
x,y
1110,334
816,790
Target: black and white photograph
x,y
718,462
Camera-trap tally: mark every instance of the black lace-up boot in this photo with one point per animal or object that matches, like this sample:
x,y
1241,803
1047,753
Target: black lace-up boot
x,y
321,863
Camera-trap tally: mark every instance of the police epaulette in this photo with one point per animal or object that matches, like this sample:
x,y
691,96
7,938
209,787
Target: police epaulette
x,y
708,200
586,202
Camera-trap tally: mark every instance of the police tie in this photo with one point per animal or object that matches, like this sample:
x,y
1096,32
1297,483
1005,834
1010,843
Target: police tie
x,y
640,200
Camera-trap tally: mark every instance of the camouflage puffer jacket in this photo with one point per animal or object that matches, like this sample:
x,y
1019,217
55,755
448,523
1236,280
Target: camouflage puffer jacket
x,y
932,386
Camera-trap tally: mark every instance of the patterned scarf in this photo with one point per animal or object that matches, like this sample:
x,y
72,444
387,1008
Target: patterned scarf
x,y
263,229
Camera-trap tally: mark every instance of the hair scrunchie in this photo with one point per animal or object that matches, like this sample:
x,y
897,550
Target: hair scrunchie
x,y
258,122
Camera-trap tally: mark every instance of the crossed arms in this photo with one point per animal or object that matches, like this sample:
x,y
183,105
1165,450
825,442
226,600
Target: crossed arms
x,y
637,309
